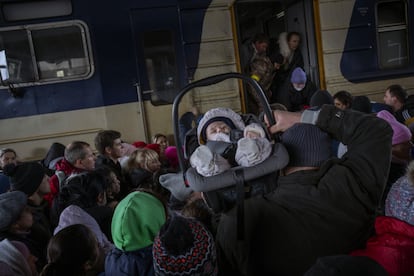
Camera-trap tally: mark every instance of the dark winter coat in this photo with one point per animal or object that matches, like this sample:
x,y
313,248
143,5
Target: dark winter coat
x,y
138,262
313,213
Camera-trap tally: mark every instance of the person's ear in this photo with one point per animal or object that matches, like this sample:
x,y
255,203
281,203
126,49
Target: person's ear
x,y
102,198
108,150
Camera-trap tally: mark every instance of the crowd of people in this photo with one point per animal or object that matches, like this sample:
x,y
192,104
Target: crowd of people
x,y
333,195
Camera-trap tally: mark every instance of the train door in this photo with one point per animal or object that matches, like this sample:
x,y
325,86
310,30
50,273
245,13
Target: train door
x,y
275,17
159,59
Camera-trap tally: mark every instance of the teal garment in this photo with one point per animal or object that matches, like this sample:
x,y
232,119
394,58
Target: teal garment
x,y
136,221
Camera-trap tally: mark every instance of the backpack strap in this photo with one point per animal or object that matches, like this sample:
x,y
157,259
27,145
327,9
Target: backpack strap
x,y
61,178
239,176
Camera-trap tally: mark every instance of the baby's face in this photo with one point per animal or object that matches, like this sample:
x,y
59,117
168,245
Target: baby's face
x,y
215,128
252,134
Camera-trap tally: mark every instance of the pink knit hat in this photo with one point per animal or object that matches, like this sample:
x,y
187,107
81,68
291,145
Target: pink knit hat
x,y
401,132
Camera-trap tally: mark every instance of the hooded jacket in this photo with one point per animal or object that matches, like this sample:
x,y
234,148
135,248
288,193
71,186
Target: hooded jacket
x,y
392,246
136,221
311,214
68,169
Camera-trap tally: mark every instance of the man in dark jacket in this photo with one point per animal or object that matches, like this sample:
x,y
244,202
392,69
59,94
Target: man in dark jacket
x,y
321,206
109,145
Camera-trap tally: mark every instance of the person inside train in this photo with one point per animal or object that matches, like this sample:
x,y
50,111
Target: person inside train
x,y
342,99
109,145
253,48
31,179
78,158
344,192
299,90
7,156
288,46
263,71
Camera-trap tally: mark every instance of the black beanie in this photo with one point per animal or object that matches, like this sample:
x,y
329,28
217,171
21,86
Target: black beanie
x,y
320,98
307,145
25,177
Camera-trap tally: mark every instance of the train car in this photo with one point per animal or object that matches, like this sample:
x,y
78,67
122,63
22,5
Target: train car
x,y
71,68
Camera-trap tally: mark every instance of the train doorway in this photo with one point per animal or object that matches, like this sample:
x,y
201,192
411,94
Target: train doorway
x,y
275,17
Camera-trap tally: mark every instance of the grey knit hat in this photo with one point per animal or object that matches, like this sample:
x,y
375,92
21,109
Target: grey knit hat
x,y
11,207
307,145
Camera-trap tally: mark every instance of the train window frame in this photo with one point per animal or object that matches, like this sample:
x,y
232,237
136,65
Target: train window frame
x,y
385,29
66,72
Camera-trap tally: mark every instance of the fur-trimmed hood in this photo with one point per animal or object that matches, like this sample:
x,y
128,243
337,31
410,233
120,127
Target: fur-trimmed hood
x,y
215,114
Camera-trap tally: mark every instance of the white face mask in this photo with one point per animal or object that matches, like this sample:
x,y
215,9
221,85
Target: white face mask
x,y
220,136
298,87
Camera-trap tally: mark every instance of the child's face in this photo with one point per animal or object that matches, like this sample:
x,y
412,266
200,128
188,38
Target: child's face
x,y
115,184
216,129
252,134
154,165
25,220
163,142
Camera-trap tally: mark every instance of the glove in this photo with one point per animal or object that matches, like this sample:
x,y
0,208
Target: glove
x,y
251,152
174,182
208,163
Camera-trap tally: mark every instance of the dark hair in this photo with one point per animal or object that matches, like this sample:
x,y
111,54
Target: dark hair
x,y
75,151
6,150
261,37
362,104
69,250
82,190
290,34
397,91
106,138
344,97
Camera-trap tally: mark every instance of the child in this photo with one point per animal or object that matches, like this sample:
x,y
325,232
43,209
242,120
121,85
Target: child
x,y
141,166
218,130
72,251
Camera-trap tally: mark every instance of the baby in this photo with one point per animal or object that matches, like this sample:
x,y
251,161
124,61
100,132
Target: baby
x,y
218,152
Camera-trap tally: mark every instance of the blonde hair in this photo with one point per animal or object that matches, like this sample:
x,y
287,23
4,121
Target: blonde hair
x,y
141,158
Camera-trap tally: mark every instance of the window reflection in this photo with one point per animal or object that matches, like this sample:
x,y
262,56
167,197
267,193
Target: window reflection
x,y
160,64
392,34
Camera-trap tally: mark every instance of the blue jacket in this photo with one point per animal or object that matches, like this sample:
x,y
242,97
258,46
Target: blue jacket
x,y
138,262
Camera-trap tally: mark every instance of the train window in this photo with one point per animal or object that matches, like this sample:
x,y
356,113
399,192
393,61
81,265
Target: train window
x,y
161,65
45,53
392,34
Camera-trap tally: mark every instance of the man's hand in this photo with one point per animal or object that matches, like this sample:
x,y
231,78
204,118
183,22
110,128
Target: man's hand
x,y
284,120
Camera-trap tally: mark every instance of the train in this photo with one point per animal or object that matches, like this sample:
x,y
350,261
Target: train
x,y
70,68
